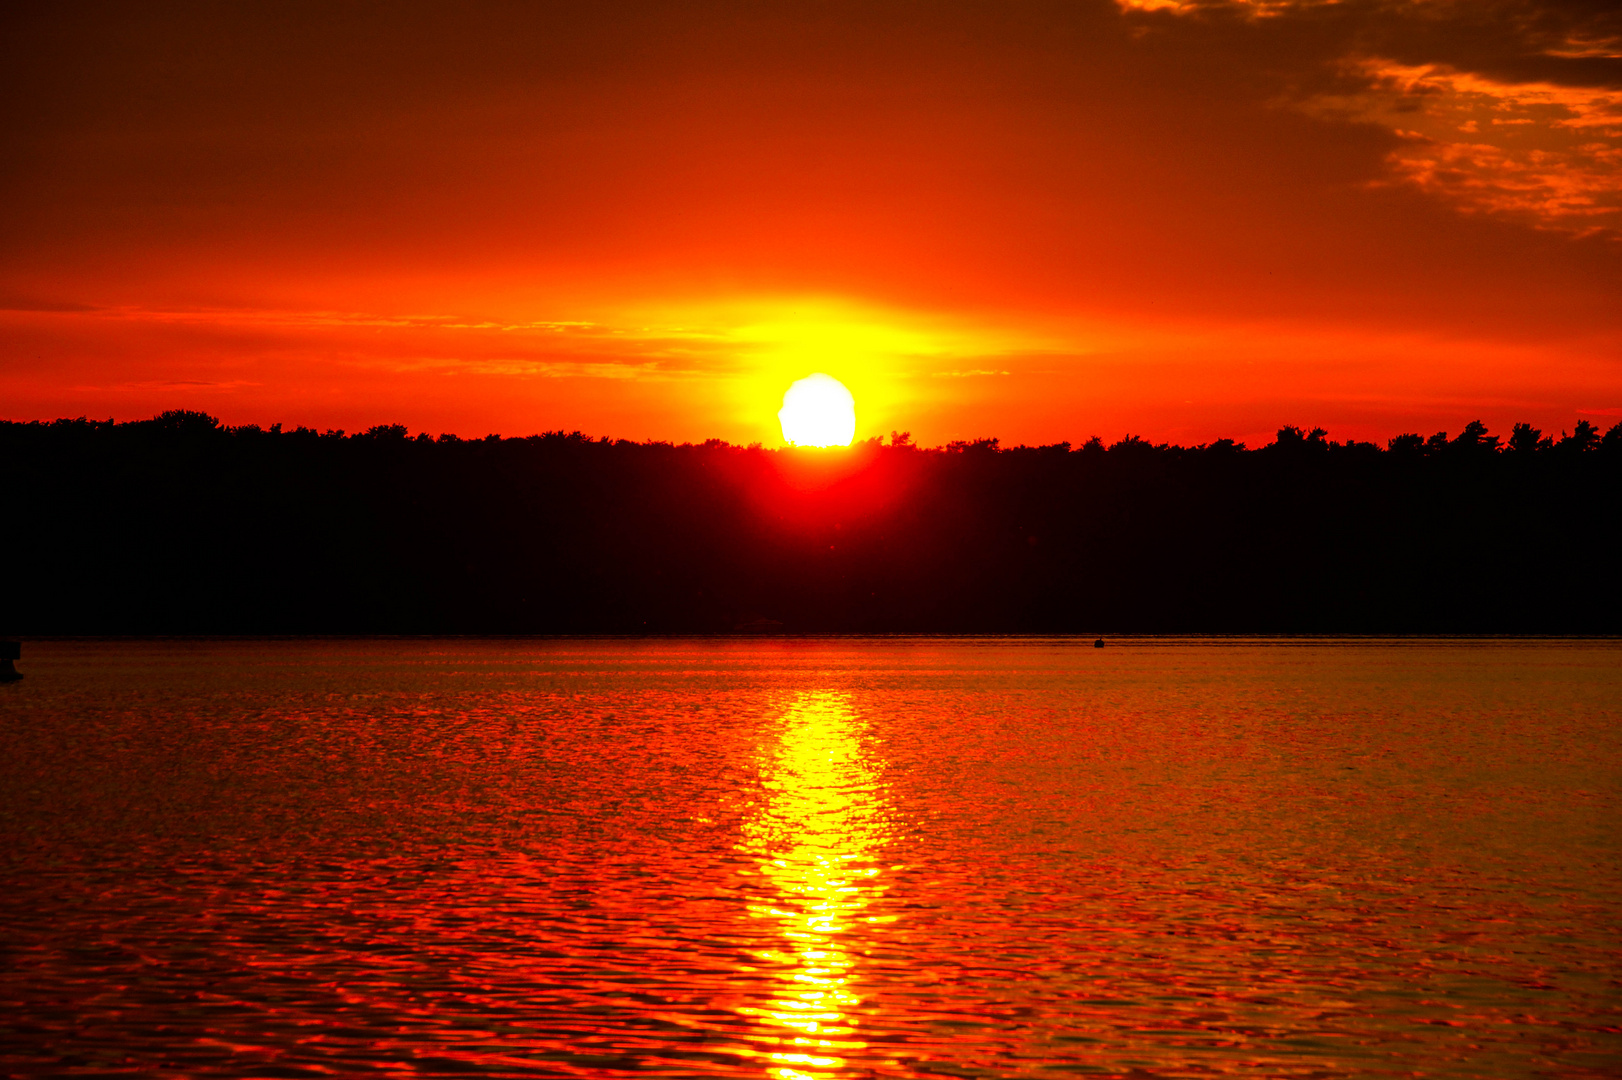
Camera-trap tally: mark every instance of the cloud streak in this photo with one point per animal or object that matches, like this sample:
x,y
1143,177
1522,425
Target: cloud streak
x,y
1512,109
1547,154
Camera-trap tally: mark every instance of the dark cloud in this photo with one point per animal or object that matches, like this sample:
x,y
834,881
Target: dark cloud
x,y
1508,107
1568,42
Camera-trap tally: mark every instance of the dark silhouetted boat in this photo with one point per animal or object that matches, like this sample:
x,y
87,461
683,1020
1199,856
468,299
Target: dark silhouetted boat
x,y
759,626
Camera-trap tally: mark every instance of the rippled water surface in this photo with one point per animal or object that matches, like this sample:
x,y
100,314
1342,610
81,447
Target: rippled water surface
x,y
824,858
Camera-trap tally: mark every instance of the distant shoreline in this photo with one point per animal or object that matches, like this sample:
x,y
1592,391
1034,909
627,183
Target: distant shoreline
x,y
179,526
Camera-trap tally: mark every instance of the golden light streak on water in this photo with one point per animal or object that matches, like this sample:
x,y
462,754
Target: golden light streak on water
x,y
816,836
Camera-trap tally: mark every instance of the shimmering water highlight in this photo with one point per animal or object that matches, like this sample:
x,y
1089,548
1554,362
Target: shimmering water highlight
x,y
819,858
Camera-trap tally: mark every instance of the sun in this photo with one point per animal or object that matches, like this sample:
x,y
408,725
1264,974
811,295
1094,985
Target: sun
x,y
818,411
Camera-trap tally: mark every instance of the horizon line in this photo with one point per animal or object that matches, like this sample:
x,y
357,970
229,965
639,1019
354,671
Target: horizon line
x,y
1475,436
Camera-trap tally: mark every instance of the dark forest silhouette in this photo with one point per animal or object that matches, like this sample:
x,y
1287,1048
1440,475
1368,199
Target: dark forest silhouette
x,y
180,525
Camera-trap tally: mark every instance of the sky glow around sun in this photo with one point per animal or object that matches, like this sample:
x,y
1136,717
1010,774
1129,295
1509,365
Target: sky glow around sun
x,y
1180,219
818,411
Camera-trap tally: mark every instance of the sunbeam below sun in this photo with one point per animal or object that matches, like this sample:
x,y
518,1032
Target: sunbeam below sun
x,y
818,411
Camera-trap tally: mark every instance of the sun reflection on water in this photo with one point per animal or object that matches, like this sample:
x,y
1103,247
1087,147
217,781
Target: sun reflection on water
x,y
816,836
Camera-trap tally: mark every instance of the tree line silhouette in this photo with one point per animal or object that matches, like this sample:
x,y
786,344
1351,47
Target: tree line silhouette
x,y
181,525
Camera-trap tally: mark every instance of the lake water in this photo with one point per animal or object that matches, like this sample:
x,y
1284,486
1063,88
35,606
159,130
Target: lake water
x,y
812,858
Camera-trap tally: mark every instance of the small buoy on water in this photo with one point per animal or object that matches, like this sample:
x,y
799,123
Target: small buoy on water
x,y
9,651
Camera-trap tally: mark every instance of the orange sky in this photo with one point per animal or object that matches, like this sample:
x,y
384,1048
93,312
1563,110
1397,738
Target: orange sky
x,y
1038,221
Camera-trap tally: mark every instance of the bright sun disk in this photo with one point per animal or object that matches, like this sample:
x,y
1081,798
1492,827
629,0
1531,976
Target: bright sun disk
x,y
818,411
